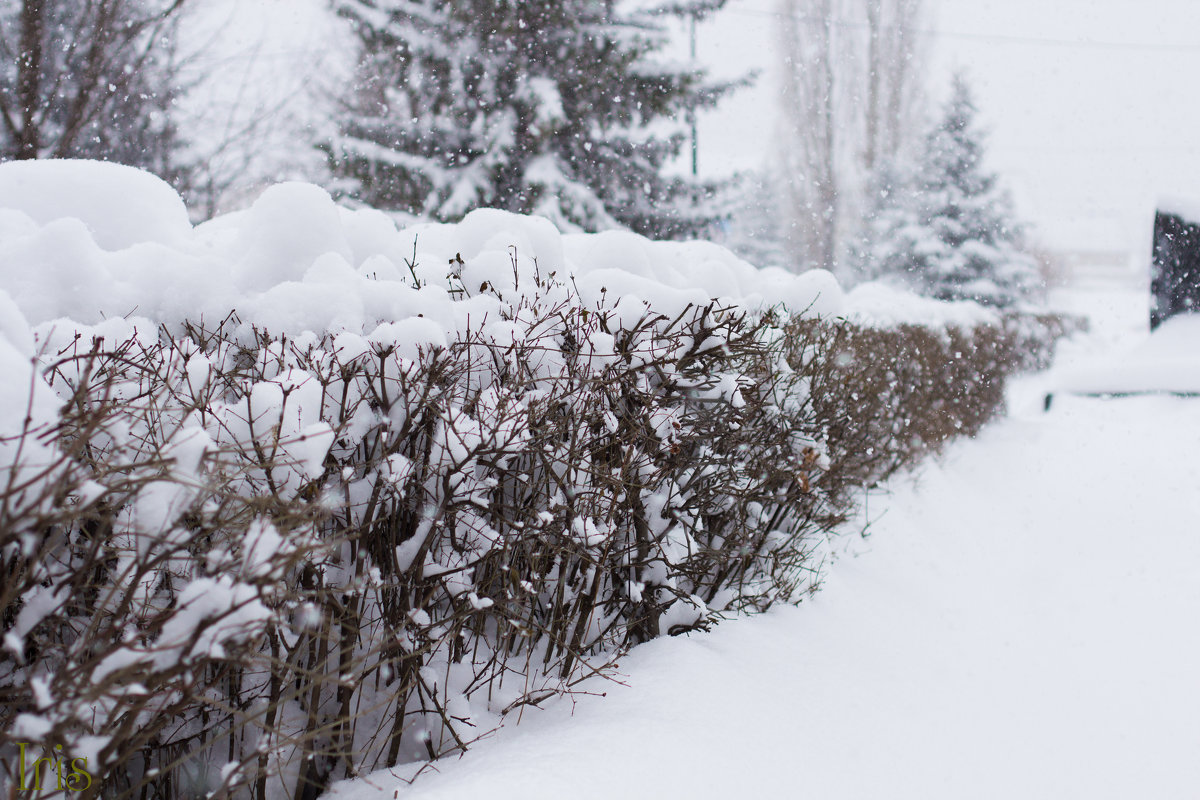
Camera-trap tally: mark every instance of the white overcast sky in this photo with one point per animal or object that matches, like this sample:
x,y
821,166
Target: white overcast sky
x,y
1091,105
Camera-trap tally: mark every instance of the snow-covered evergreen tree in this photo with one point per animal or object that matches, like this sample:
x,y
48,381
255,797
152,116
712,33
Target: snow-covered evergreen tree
x,y
552,107
948,228
881,251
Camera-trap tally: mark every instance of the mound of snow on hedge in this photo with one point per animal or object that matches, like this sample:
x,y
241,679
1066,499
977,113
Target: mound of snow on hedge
x,y
89,241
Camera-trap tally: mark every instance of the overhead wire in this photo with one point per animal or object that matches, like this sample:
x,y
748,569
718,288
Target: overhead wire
x,y
995,38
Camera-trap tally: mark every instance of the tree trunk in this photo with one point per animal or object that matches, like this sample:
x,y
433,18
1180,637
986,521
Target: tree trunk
x,y
29,77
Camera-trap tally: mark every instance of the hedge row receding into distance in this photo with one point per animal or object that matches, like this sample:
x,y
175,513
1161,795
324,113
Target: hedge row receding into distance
x,y
253,565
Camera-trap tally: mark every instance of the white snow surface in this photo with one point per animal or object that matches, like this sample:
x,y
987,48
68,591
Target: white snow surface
x,y
119,206
878,304
1019,623
1179,205
89,242
1166,361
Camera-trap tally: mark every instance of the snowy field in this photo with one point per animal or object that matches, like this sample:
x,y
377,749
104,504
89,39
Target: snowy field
x,y
1018,623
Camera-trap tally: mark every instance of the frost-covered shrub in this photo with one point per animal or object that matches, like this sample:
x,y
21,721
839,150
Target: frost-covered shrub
x,y
884,397
264,563
310,557
134,606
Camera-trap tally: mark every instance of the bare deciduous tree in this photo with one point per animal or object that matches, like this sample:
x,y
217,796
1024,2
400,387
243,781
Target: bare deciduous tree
x,y
892,92
850,90
86,78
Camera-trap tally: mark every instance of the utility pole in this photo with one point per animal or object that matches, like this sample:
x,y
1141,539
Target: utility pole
x,y
692,110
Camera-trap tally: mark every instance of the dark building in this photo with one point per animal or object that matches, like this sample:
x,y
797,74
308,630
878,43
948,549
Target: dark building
x,y
1175,276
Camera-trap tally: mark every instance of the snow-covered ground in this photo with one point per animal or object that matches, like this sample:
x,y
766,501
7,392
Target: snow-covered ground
x,y
1018,623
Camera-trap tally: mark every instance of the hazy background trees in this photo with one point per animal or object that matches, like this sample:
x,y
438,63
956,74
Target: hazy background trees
x,y
852,87
577,110
263,81
946,227
89,79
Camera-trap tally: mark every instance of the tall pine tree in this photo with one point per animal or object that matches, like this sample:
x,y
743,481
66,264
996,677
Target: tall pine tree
x,y
551,107
948,229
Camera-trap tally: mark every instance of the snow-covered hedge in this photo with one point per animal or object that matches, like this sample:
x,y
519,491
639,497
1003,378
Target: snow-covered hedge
x,y
294,495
